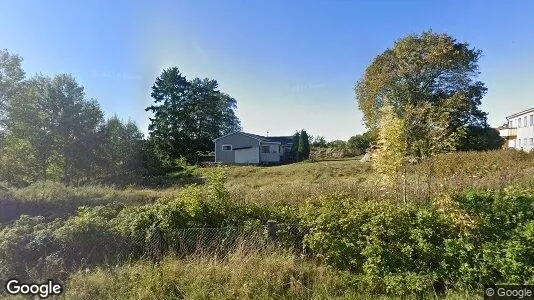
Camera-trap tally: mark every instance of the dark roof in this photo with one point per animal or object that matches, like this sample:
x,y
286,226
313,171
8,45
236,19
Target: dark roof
x,y
521,113
280,139
274,139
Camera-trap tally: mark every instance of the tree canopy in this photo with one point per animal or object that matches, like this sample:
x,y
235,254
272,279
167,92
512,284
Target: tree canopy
x,y
52,131
430,81
361,142
188,115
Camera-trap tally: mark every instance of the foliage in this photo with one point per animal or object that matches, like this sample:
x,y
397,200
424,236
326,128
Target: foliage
x,y
120,153
389,158
51,131
36,248
188,115
339,144
481,139
319,142
11,76
303,146
468,240
361,142
53,199
244,274
430,81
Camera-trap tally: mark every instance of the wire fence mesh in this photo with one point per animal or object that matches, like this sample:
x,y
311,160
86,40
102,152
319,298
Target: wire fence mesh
x,y
47,253
220,241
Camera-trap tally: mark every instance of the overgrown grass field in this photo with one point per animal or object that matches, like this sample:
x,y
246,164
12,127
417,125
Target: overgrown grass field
x,y
467,221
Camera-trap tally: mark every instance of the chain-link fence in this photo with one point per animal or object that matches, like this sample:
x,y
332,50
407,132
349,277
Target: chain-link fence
x,y
56,253
220,241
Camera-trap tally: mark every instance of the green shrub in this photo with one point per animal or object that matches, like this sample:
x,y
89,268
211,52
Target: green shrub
x,y
481,237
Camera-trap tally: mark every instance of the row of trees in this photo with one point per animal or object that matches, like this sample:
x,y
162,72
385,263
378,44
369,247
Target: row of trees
x,y
360,142
49,130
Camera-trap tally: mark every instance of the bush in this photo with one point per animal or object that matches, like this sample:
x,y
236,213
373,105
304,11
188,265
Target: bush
x,y
469,240
33,247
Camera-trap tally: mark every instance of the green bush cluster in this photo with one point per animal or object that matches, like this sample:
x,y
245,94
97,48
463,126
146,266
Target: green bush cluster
x,y
468,240
35,248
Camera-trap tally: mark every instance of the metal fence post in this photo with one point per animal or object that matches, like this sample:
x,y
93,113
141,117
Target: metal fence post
x,y
272,228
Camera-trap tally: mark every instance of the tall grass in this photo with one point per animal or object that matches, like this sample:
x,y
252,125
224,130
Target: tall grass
x,y
443,174
244,274
53,199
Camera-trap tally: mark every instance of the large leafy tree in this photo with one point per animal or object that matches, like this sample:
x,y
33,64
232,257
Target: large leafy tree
x,y
55,118
188,115
50,130
11,76
361,142
120,152
479,139
430,81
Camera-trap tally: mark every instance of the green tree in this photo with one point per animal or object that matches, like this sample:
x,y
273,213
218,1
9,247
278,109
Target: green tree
x,y
18,164
319,142
120,152
304,145
74,121
338,144
430,80
11,76
361,142
188,115
481,139
60,124
389,159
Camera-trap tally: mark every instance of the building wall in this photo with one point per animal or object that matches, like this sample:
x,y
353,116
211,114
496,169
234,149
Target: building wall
x,y
237,140
525,132
274,152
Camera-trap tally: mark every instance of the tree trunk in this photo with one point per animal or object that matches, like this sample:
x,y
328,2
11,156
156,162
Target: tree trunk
x,y
404,185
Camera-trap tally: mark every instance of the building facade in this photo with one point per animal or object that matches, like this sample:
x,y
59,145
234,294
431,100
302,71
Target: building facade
x,y
518,131
247,148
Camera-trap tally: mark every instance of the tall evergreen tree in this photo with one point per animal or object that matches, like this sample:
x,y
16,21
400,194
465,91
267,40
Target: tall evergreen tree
x,y
304,145
188,115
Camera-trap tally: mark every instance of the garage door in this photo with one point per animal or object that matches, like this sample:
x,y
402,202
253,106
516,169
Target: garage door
x,y
247,156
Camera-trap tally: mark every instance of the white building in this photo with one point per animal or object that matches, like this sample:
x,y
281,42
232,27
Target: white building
x,y
519,130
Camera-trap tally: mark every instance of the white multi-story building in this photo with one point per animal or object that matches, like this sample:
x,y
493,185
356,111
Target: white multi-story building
x,y
519,130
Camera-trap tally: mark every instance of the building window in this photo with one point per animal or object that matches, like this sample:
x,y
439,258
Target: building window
x,y
519,145
525,142
525,121
531,141
531,120
265,149
511,123
227,147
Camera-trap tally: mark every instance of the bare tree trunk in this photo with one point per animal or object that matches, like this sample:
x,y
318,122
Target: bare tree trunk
x,y
404,185
429,179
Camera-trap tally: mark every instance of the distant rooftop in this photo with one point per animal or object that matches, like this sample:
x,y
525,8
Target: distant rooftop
x,y
521,113
274,139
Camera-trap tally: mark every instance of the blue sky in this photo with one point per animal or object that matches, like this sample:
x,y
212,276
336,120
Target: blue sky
x,y
289,64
